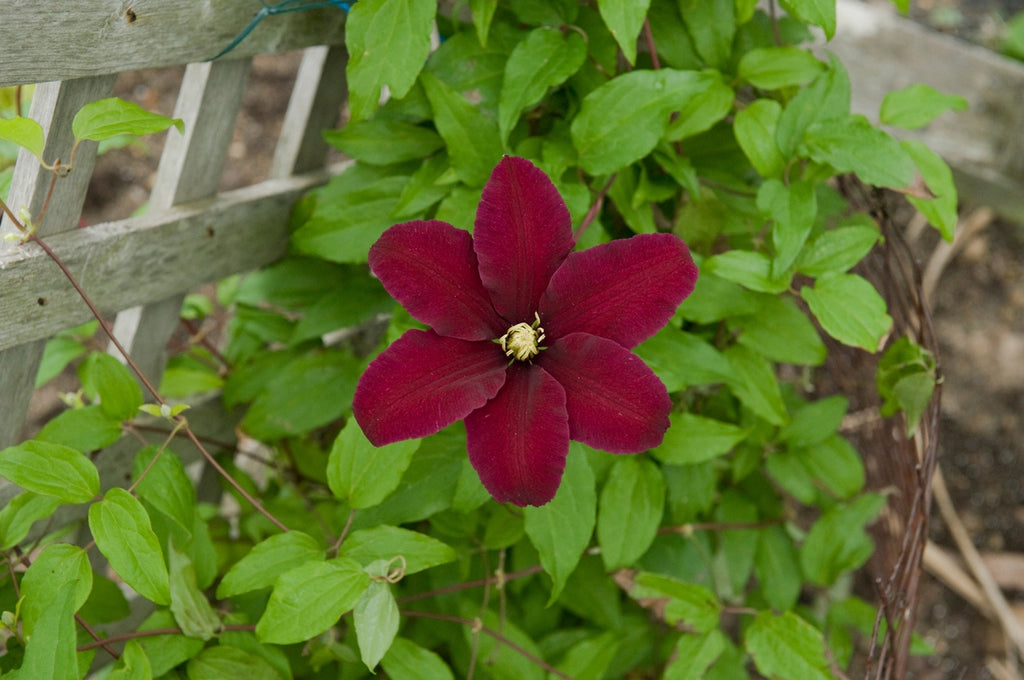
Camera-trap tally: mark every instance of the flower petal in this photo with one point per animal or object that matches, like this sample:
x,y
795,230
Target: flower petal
x,y
430,267
615,402
523,233
518,441
625,290
423,383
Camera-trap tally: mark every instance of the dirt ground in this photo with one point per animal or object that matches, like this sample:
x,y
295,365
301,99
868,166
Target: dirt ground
x,y
978,313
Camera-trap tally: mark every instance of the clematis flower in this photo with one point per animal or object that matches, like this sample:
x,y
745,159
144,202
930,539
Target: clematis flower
x,y
529,341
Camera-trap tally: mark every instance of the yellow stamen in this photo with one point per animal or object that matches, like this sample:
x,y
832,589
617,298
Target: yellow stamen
x,y
521,342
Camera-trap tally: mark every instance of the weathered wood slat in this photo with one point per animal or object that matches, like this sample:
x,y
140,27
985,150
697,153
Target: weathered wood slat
x,y
190,169
314,106
44,42
53,106
985,144
145,259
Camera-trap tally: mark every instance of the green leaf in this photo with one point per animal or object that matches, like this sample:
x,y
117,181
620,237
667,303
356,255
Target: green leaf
x,y
166,486
309,599
166,651
51,470
790,474
362,474
827,98
836,464
419,551
589,659
24,132
283,407
681,359
267,560
941,211
786,646
544,59
781,332
837,542
712,25
107,380
406,659
376,620
814,422
60,351
225,661
106,602
694,439
792,208
778,568
473,141
426,187
632,502
702,111
750,269
388,42
714,298
755,130
917,105
693,654
191,609
561,529
111,117
849,309
755,384
50,653
382,141
853,144
57,565
821,13
483,13
84,429
772,68
133,664
622,120
688,602
124,535
20,513
837,250
624,19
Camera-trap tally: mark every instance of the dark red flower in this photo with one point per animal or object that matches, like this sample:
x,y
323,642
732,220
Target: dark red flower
x,y
530,341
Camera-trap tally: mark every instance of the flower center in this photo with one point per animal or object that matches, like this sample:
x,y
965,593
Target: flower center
x,y
521,342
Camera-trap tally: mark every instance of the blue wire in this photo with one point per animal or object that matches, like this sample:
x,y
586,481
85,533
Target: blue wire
x,y
280,8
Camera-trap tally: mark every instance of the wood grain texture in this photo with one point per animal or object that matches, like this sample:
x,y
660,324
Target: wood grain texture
x,y
145,259
60,41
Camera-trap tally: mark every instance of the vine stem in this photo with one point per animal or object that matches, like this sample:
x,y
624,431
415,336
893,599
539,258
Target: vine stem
x,y
649,37
476,625
109,332
596,207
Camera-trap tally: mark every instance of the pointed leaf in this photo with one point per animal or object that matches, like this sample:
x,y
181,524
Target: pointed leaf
x,y
624,19
51,470
107,380
418,551
50,653
309,599
58,564
133,664
632,502
24,132
695,439
364,475
561,529
383,141
388,42
125,536
191,609
853,144
111,117
694,654
376,621
267,560
406,659
850,309
917,105
225,661
772,68
755,129
84,429
545,58
786,646
20,513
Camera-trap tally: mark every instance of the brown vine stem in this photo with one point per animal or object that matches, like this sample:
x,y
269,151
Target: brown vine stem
x,y
109,332
596,207
476,625
649,37
153,632
500,579
100,642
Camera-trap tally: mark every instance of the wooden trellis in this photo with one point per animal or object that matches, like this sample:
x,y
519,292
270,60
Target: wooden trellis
x,y
140,268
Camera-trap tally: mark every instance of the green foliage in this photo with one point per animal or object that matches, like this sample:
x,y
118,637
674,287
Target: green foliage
x,y
724,552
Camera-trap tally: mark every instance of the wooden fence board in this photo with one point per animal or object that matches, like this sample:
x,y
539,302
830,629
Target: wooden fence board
x,y
46,41
148,258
